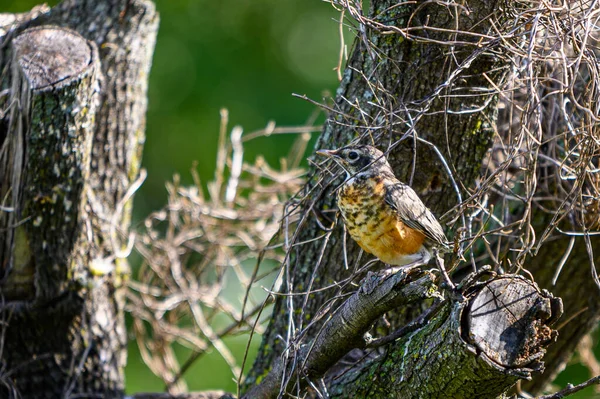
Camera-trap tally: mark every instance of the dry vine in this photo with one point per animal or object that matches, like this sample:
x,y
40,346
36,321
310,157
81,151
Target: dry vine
x,y
200,253
545,155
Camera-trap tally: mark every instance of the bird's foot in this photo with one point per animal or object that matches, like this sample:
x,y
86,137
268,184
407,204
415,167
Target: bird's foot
x,y
405,268
399,272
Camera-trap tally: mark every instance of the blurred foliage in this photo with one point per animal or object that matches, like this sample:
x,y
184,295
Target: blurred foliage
x,y
248,56
245,55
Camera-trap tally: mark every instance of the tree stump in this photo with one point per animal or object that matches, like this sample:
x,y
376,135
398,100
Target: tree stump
x,y
73,103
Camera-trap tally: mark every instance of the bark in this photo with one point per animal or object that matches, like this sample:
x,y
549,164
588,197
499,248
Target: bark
x,y
71,145
408,72
475,348
408,75
346,329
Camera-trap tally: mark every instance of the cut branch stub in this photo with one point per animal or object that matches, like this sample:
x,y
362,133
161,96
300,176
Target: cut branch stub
x,y
47,238
68,155
50,55
54,97
506,321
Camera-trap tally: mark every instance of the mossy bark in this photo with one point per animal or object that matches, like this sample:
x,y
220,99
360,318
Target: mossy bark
x,y
471,349
72,139
346,329
475,345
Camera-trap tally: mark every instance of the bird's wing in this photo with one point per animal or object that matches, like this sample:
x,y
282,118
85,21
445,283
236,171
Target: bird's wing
x,y
411,210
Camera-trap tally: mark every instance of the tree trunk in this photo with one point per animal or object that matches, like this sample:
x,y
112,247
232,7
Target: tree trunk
x,y
71,145
408,72
474,347
392,84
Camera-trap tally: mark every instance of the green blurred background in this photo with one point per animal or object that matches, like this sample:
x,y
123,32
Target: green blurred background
x,y
248,56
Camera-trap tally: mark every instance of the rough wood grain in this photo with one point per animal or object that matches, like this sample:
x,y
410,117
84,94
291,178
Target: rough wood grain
x,y
47,56
454,356
505,321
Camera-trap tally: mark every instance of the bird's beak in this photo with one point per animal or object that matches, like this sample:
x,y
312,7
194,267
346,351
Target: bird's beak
x,y
328,153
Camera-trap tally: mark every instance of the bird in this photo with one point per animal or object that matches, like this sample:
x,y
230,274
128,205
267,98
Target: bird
x,y
383,215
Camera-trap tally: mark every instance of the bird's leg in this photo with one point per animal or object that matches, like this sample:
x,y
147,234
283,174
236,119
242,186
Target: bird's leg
x,y
419,259
391,270
447,283
439,261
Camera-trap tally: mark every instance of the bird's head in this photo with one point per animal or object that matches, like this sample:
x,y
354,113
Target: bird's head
x,y
358,159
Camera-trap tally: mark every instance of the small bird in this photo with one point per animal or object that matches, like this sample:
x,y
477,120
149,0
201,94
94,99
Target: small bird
x,y
382,214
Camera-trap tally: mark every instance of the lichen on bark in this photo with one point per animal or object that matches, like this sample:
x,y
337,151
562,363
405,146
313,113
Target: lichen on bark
x,y
75,135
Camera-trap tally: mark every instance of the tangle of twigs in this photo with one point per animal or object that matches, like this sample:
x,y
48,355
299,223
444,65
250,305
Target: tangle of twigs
x,y
200,256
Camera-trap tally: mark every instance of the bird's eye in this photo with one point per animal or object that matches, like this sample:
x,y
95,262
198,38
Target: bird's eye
x,y
352,156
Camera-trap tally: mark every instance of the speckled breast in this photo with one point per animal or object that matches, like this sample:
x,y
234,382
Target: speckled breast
x,y
373,224
361,201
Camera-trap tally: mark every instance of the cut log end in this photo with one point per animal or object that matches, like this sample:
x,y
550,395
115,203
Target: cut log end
x,y
508,321
50,55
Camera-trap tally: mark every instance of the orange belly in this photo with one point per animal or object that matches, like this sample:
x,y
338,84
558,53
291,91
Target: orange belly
x,y
392,245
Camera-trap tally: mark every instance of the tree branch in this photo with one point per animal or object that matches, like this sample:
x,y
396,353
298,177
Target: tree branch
x,y
45,170
378,294
70,151
388,86
570,389
473,349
